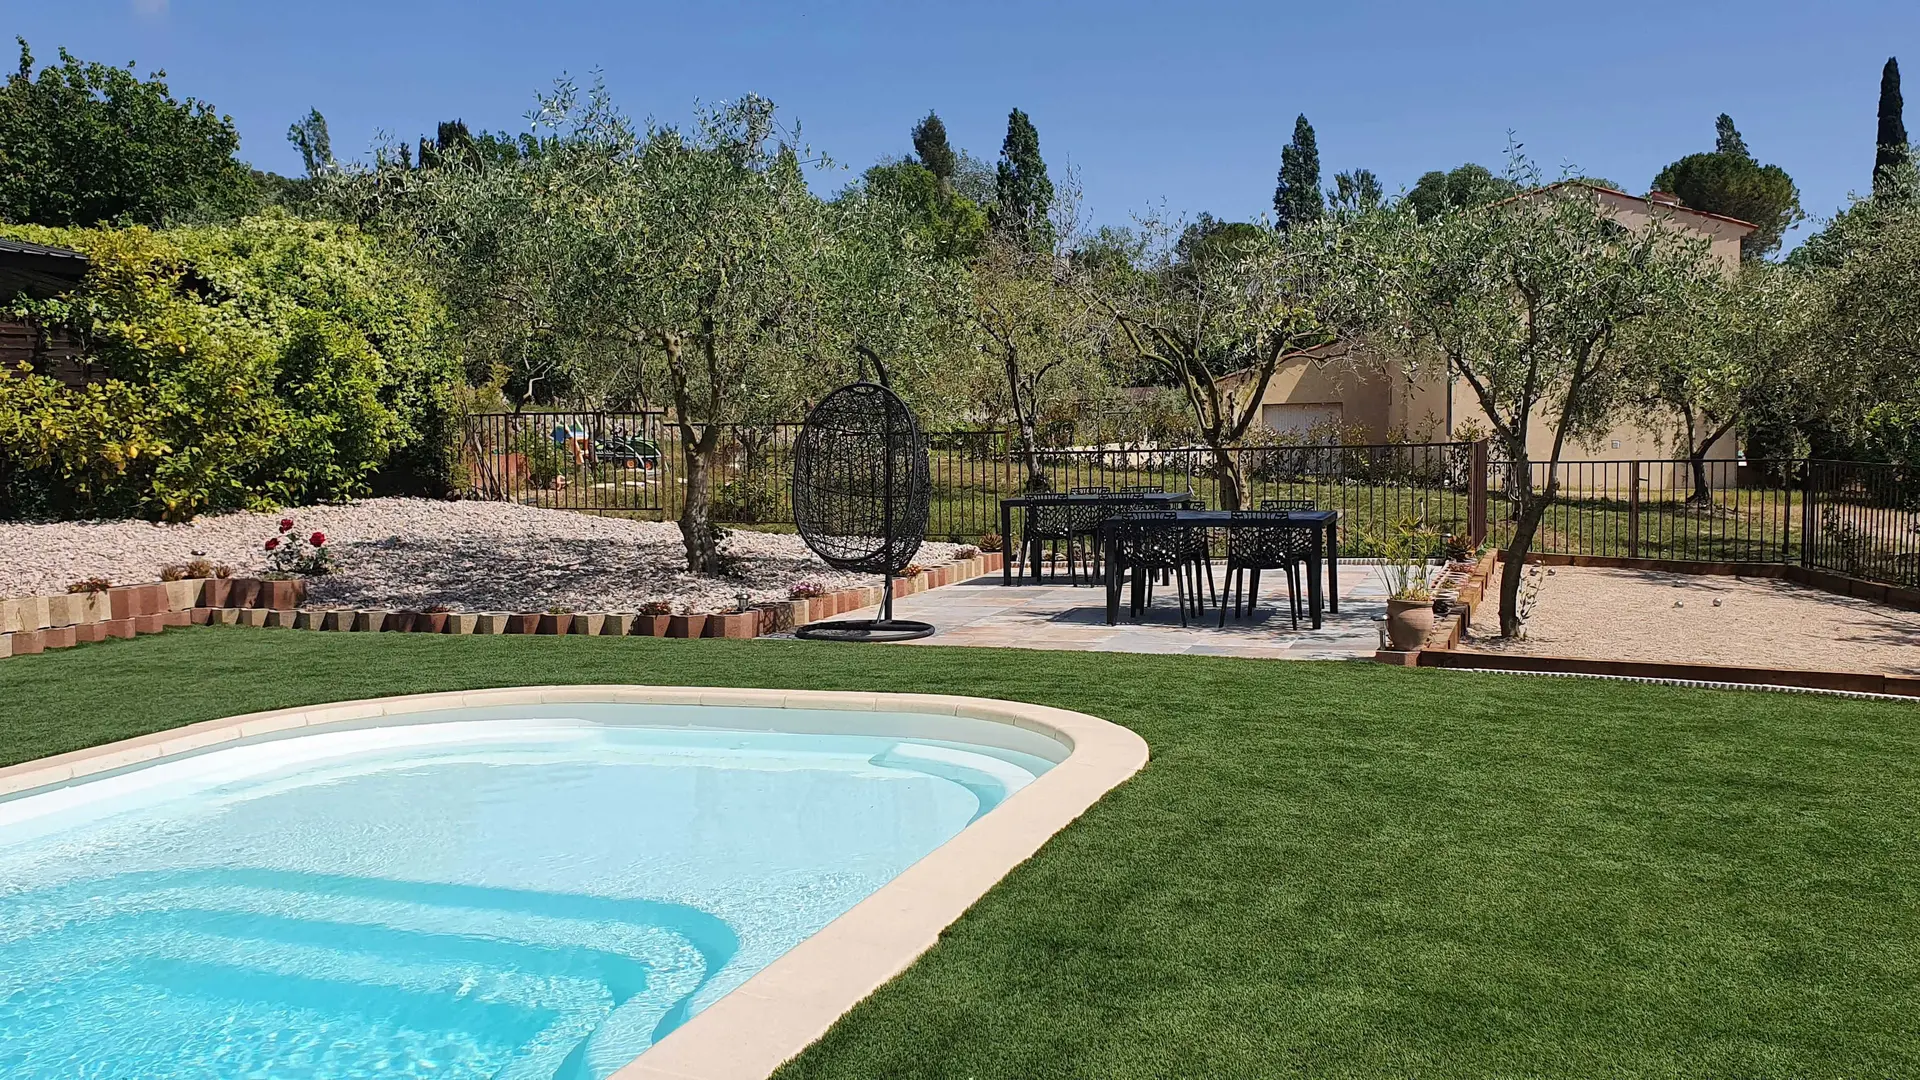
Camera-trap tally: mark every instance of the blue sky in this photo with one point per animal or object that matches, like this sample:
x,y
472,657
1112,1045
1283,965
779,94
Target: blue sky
x,y
1186,103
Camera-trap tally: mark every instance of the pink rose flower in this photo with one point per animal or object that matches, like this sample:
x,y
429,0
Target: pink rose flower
x,y
285,524
273,543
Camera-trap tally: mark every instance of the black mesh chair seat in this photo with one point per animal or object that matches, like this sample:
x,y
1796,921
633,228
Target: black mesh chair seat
x,y
1252,548
1154,541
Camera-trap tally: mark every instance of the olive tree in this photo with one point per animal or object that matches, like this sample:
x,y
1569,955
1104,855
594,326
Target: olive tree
x,y
1527,300
1217,320
1726,351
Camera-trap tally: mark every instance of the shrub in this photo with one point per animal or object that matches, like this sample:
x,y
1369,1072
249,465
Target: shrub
x,y
273,361
990,541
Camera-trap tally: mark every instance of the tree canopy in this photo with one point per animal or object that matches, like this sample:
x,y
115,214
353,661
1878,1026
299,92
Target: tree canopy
x,y
931,147
1729,181
83,143
1438,191
1024,193
1890,139
1296,191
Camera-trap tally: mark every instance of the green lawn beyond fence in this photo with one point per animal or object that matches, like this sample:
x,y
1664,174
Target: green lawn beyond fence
x,y
1860,520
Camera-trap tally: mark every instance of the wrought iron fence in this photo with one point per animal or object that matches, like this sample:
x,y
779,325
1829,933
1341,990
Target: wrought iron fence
x,y
1862,520
1847,517
1733,512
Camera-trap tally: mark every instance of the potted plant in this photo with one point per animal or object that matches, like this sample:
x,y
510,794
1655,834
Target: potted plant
x,y
557,620
218,583
686,623
654,618
1403,567
431,619
291,556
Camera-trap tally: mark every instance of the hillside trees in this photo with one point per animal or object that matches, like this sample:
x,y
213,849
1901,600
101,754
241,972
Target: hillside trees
x,y
83,143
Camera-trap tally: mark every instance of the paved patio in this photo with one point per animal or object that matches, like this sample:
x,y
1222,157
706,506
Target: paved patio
x,y
985,612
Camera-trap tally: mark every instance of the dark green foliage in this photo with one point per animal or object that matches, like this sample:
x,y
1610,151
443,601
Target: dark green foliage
x,y
310,137
1890,145
1024,194
1207,237
1729,181
1296,192
1437,192
947,223
1330,870
1358,190
930,145
84,143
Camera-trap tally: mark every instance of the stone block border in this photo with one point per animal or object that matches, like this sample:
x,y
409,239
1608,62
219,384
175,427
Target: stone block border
x,y
1442,649
790,1003
34,624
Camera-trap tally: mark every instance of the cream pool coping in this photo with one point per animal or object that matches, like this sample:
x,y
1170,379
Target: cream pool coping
x,y
786,1006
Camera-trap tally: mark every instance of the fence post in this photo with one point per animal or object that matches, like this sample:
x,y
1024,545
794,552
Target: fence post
x,y
1477,493
1806,513
1633,513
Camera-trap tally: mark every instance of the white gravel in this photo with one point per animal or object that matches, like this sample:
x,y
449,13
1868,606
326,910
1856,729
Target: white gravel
x,y
470,556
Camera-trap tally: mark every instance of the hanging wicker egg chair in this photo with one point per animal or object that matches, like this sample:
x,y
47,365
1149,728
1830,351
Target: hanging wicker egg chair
x,y
861,498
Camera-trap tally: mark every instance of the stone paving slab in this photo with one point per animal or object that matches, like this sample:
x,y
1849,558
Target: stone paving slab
x,y
982,612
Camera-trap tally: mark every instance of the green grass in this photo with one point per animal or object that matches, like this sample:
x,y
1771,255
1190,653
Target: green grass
x,y
1328,870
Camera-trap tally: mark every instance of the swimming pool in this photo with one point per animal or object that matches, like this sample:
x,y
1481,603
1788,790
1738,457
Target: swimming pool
x,y
504,890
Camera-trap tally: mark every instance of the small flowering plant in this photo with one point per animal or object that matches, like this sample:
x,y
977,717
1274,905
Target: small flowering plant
x,y
295,552
807,589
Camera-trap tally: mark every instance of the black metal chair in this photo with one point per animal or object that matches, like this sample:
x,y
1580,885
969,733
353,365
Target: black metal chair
x,y
1253,548
1048,524
1092,491
1288,504
1153,542
1142,489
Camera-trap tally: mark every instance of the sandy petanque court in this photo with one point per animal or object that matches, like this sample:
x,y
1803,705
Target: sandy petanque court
x,y
1752,622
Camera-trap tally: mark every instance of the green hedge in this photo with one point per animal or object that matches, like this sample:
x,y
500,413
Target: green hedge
x,y
271,362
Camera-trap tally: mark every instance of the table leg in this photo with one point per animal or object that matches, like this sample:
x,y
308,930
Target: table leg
x,y
1333,566
1314,594
1006,544
1112,581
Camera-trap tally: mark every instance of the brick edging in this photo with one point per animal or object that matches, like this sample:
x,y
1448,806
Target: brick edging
x,y
1856,682
34,624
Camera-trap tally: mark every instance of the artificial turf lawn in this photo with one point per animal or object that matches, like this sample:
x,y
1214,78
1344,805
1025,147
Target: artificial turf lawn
x,y
1327,869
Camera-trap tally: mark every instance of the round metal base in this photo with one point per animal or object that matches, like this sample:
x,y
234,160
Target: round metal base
x,y
865,630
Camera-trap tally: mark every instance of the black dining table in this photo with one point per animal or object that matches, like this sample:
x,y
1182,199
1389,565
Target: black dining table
x,y
1323,526
1157,500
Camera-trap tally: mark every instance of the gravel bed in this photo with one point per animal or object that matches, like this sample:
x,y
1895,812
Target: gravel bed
x,y
1706,619
470,556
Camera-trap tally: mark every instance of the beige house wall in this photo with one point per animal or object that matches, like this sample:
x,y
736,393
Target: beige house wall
x,y
1377,401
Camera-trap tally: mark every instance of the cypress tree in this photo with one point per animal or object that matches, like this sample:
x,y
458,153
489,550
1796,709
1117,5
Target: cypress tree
x,y
1891,144
1727,138
1296,193
931,146
1024,193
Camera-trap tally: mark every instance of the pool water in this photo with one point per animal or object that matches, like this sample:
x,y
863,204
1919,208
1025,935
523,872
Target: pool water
x,y
528,896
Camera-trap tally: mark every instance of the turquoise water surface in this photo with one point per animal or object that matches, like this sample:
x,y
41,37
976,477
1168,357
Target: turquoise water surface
x,y
537,896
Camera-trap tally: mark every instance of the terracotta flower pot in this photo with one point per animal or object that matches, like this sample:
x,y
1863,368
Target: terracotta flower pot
x,y
430,622
242,593
214,592
688,626
741,624
288,593
651,625
523,624
555,623
1408,622
400,621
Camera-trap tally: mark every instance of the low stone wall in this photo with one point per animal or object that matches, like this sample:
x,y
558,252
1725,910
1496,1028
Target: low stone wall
x,y
34,624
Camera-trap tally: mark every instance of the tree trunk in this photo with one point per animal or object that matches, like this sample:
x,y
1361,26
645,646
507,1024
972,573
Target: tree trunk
x,y
1226,472
1702,493
1029,439
1514,570
696,517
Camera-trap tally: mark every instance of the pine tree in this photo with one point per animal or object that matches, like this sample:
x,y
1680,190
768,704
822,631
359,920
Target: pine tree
x,y
1727,138
1296,194
1891,144
1024,193
931,146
